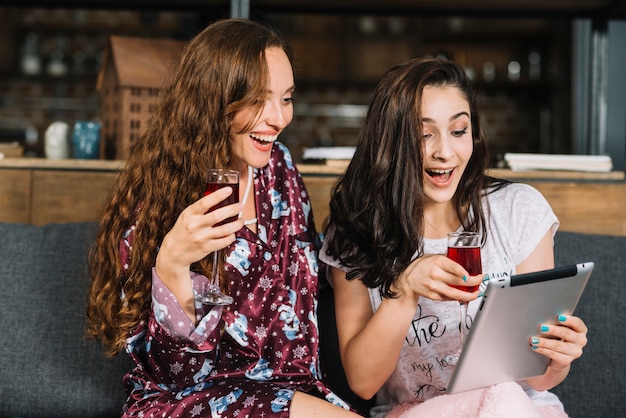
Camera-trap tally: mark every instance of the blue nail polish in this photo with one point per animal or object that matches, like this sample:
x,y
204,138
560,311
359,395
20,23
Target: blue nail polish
x,y
562,318
535,347
480,294
544,328
486,278
534,340
464,278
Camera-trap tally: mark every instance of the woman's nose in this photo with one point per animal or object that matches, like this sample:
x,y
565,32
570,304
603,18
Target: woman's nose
x,y
278,115
442,149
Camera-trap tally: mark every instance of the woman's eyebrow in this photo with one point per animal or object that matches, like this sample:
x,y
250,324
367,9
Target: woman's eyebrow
x,y
458,115
453,117
289,90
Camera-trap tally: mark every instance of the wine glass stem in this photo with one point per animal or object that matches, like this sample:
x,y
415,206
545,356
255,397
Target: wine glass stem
x,y
215,276
462,326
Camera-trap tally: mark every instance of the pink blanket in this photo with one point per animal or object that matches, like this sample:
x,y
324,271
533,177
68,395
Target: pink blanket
x,y
503,400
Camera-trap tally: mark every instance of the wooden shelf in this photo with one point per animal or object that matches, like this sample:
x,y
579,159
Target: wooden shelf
x,y
68,164
337,167
556,175
579,199
40,191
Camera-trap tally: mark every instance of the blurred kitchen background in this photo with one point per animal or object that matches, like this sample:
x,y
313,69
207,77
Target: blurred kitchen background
x,y
550,76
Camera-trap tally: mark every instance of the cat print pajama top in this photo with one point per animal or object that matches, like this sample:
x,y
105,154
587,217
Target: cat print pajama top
x,y
248,358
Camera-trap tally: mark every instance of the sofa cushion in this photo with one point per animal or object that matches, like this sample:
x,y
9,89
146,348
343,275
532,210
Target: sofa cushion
x,y
330,359
49,368
596,385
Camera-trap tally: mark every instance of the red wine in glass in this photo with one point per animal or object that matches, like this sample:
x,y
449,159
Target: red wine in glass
x,y
468,257
216,179
464,248
233,198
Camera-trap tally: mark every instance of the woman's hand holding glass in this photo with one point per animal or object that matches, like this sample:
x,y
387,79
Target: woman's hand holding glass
x,y
432,276
195,235
438,277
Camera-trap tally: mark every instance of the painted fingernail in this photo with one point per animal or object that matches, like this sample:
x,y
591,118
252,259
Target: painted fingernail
x,y
464,278
534,340
486,278
544,328
480,294
562,318
535,347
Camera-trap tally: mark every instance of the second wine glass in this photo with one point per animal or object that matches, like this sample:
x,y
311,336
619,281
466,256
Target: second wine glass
x,y
464,248
216,179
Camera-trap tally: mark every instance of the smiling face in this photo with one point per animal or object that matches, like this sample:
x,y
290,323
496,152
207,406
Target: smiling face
x,y
447,141
252,147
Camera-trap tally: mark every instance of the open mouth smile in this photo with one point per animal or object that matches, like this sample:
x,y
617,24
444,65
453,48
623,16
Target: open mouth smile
x,y
267,139
440,174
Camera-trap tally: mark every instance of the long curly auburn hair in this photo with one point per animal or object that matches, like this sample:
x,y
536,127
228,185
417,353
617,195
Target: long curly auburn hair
x,y
221,71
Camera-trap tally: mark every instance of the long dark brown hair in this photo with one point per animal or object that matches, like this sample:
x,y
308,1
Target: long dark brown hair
x,y
377,206
221,71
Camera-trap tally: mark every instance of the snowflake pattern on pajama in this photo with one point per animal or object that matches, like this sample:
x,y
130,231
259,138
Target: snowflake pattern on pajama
x,y
246,359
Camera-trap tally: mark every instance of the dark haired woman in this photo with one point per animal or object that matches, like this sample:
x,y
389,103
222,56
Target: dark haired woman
x,y
417,174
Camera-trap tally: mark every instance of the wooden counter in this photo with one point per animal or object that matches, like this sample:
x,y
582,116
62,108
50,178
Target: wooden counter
x,y
40,191
583,201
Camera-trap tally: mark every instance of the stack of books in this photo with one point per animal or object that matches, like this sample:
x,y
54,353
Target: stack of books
x,y
328,153
525,162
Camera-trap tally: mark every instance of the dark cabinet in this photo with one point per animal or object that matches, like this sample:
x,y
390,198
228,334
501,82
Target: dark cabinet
x,y
519,52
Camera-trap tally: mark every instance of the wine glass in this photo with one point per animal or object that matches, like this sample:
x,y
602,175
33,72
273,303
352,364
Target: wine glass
x,y
216,179
464,248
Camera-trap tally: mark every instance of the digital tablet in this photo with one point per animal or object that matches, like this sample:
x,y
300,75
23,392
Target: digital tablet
x,y
497,348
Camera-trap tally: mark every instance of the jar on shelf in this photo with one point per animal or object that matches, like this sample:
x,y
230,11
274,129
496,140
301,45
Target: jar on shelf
x,y
86,139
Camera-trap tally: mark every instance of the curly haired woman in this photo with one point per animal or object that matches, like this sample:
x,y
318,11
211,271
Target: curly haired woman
x,y
229,99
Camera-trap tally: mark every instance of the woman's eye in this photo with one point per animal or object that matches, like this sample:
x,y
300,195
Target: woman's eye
x,y
288,100
460,132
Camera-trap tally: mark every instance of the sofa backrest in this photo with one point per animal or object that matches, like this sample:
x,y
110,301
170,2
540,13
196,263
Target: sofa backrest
x,y
48,368
596,385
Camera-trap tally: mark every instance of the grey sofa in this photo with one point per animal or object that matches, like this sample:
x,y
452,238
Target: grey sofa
x,y
48,368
